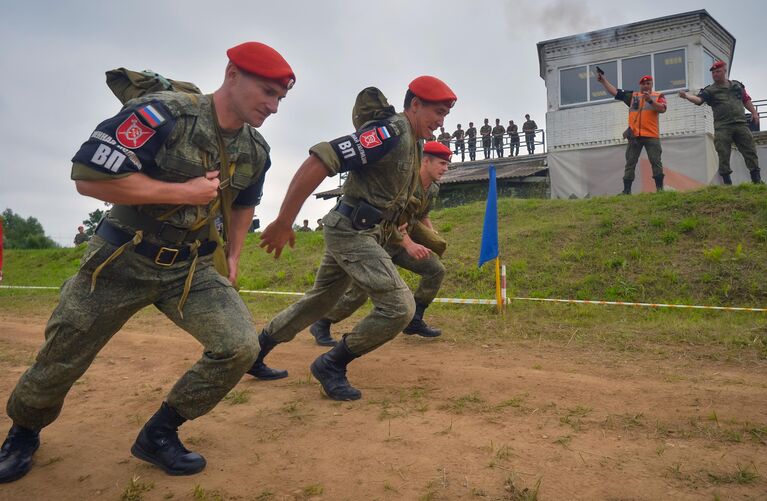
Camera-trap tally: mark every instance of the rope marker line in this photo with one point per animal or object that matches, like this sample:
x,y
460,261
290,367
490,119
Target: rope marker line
x,y
490,301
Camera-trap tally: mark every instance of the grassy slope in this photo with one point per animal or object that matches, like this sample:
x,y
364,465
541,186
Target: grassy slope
x,y
707,246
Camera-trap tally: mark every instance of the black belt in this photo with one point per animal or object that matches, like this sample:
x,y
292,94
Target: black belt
x,y
363,216
161,255
345,209
162,230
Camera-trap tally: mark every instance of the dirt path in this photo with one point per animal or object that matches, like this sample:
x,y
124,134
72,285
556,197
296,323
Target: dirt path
x,y
437,421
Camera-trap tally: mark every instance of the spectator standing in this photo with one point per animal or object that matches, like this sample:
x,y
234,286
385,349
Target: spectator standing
x,y
81,237
529,128
498,132
444,137
644,131
459,144
471,134
727,99
513,131
485,132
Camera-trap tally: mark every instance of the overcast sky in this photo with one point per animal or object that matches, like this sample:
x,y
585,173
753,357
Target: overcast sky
x,y
54,55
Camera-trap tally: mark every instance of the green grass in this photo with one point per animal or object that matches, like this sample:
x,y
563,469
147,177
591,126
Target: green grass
x,y
136,489
667,247
702,247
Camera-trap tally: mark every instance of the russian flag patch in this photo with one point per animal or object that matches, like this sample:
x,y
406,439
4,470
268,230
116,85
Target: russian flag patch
x,y
383,133
151,116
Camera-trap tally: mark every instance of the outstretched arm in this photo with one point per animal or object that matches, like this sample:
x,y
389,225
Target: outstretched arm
x,y
606,84
304,182
691,98
242,217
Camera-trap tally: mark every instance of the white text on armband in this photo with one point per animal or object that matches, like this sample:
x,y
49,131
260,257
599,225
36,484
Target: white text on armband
x,y
115,165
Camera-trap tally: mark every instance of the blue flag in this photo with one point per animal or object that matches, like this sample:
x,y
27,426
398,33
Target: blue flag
x,y
489,248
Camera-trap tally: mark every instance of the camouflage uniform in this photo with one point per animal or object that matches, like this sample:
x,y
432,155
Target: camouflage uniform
x,y
730,124
459,144
498,132
357,255
485,132
431,270
81,238
471,135
529,128
444,138
513,132
114,282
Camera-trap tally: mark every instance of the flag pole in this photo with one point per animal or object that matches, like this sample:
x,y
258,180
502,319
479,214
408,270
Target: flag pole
x,y
503,288
498,282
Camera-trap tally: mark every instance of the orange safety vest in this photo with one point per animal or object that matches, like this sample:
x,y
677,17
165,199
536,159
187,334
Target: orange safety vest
x,y
643,118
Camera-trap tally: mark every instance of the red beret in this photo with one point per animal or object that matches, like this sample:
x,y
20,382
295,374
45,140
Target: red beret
x,y
432,89
646,78
438,150
717,64
263,61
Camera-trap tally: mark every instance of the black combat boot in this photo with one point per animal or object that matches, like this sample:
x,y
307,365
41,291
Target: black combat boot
x,y
626,187
16,453
158,443
259,369
330,370
321,332
726,179
418,326
756,178
658,183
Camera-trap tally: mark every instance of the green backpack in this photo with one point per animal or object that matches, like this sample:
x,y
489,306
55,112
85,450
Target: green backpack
x,y
371,105
129,84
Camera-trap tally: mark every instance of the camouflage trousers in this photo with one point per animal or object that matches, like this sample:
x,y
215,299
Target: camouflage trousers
x,y
351,256
431,271
84,321
740,135
634,149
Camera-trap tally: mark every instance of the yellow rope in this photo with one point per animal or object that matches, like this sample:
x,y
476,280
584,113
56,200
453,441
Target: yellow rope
x,y
188,282
134,242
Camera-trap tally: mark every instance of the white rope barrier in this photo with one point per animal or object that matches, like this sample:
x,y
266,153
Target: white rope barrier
x,y
491,301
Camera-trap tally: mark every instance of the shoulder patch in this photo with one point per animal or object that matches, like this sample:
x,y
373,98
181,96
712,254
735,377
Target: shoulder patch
x,y
125,143
133,134
365,146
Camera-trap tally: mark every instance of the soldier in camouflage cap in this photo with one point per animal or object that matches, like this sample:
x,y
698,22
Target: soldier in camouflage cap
x,y
407,254
727,98
166,160
383,158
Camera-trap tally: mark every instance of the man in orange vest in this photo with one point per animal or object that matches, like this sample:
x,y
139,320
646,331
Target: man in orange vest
x,y
643,131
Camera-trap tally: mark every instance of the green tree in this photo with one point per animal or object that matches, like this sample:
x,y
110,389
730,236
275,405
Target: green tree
x,y
93,219
20,233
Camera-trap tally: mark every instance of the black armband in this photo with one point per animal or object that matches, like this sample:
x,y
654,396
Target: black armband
x,y
366,146
129,141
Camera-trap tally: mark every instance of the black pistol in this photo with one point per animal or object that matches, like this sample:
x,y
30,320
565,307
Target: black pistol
x,y
600,70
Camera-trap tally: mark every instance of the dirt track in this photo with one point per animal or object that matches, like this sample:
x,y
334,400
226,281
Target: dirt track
x,y
437,421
